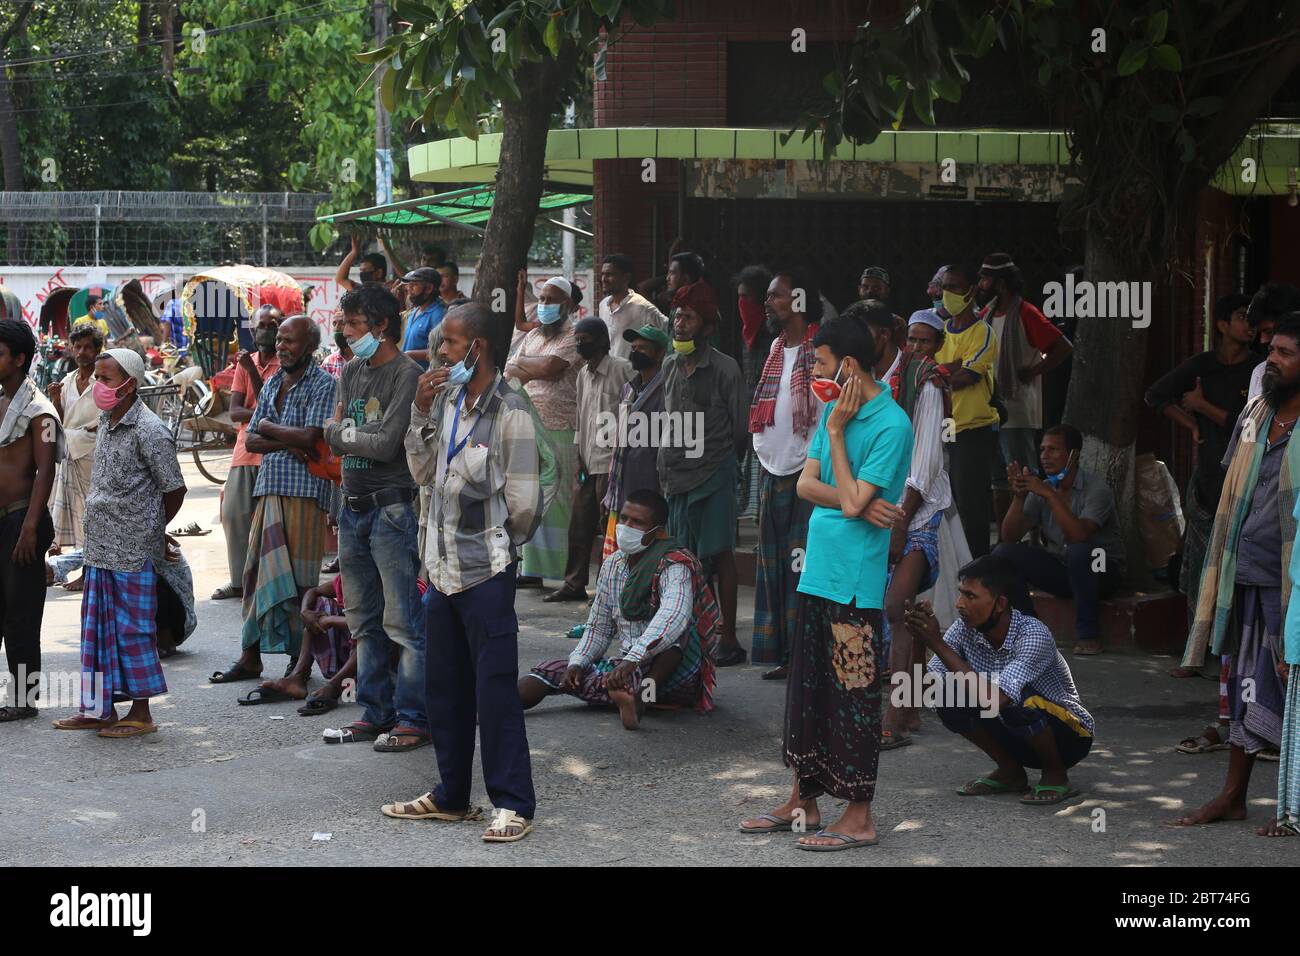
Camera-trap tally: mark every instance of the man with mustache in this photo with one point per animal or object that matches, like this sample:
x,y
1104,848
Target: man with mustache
x,y
1244,592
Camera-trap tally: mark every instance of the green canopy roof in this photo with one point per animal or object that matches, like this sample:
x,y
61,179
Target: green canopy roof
x,y
467,208
1275,147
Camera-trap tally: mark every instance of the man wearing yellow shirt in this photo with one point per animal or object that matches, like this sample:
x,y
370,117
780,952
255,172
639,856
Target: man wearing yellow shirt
x,y
92,316
969,355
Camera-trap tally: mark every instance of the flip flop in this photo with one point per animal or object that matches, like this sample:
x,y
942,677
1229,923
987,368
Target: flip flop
x,y
888,741
354,733
846,842
233,674
267,695
385,743
990,787
779,825
315,706
191,530
134,728
1060,792
1202,744
71,723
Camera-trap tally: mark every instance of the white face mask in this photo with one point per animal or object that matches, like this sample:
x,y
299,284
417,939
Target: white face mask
x,y
630,539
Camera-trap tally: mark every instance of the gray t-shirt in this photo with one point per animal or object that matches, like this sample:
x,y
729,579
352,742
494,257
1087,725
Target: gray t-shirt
x,y
376,413
1090,499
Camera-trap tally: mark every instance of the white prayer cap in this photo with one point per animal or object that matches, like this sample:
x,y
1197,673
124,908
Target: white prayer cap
x,y
130,362
560,283
926,317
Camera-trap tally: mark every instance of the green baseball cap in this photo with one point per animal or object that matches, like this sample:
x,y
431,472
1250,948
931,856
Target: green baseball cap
x,y
648,332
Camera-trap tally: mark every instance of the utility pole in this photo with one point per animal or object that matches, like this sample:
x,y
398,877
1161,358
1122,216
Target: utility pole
x,y
567,246
383,153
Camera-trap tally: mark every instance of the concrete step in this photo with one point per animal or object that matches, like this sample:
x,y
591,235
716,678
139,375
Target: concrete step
x,y
1147,622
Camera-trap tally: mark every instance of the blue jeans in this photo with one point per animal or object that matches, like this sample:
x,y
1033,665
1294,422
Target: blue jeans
x,y
380,562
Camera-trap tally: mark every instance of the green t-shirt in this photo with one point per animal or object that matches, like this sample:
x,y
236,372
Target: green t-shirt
x,y
848,558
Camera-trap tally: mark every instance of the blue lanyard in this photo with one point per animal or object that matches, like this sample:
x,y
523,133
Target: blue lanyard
x,y
453,446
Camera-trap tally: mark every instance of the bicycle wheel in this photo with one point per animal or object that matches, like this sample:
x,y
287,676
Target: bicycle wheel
x,y
211,451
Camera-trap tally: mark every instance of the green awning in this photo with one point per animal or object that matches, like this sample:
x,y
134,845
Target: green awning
x,y
467,208
1275,147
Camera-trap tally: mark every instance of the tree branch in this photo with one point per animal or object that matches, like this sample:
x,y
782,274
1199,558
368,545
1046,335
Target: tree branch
x,y
17,25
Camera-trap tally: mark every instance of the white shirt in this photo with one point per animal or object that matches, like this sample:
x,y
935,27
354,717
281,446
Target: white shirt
x,y
780,449
927,474
79,412
1256,383
1026,409
633,312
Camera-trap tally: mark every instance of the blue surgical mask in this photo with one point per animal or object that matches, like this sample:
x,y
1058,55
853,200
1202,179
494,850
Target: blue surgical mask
x,y
364,347
938,303
548,314
1054,481
460,373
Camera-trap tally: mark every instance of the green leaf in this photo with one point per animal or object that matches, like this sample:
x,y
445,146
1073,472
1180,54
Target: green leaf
x,y
387,90
1133,59
1157,26
551,36
987,32
947,88
1167,58
923,105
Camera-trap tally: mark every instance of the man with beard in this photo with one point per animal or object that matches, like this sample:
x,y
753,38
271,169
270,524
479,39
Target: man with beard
x,y
1270,303
74,398
782,419
287,536
251,370
427,311
1025,710
546,362
1244,593
623,309
601,378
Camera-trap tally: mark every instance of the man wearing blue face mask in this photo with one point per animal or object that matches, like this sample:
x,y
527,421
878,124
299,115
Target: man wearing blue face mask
x,y
547,363
427,311
652,595
1075,511
378,523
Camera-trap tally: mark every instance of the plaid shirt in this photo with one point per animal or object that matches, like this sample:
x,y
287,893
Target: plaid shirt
x,y
309,403
641,640
333,363
485,502
1026,665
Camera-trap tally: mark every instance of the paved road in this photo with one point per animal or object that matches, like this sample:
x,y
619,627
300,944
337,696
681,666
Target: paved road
x,y
670,793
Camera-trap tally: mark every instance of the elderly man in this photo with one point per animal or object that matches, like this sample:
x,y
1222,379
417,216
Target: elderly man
x,y
136,488
546,362
31,444
287,536
74,399
601,378
653,597
704,393
251,370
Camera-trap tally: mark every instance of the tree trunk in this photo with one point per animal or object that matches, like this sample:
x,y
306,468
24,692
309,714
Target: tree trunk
x,y
519,183
168,31
1106,387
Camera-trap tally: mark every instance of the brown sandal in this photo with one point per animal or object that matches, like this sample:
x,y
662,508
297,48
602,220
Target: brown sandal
x,y
423,808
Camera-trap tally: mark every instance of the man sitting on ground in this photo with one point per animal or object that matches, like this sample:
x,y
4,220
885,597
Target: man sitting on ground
x,y
1075,510
328,643
1039,721
651,595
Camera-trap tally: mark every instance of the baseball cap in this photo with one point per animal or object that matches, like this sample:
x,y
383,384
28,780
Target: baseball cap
x,y
648,332
424,274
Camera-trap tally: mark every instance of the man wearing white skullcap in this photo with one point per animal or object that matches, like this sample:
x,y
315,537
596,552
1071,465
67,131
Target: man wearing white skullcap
x,y
136,487
547,362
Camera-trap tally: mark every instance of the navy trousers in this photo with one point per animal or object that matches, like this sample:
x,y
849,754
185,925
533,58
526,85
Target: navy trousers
x,y
1072,577
472,672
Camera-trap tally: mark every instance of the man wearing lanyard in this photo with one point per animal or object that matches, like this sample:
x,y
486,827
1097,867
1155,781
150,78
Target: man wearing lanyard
x,y
472,440
426,313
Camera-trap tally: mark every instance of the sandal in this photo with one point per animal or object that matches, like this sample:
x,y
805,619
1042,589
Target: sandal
x,y
388,743
779,825
82,722
1056,793
777,673
846,842
1202,744
987,786
730,656
505,821
10,714
267,695
354,733
226,592
423,808
891,741
191,530
315,706
128,728
236,672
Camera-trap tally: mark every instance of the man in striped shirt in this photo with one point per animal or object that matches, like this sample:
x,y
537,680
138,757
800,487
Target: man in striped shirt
x,y
652,596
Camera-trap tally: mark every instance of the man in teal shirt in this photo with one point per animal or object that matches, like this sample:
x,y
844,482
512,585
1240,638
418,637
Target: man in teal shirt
x,y
855,473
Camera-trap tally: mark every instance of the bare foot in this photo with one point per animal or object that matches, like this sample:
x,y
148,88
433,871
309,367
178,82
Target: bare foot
x,y
295,687
1276,828
1221,807
77,585
629,708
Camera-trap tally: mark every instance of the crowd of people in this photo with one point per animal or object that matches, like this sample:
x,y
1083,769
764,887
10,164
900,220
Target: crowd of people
x,y
894,467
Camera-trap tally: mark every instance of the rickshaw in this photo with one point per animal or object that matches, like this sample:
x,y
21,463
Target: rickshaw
x,y
215,308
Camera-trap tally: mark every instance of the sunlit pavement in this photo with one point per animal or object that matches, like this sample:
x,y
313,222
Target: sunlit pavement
x,y
224,784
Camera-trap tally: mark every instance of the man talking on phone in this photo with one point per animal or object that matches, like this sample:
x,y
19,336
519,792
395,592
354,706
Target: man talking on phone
x,y
1075,514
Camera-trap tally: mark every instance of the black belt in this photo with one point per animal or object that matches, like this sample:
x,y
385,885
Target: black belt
x,y
389,496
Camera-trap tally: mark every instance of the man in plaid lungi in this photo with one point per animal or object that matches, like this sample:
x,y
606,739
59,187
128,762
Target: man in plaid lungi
x,y
136,488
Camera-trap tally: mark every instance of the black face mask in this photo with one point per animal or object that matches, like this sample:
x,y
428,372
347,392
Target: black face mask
x,y
589,350
340,340
640,361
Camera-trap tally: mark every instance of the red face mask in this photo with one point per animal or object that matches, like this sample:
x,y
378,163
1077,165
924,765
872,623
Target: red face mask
x,y
751,319
827,389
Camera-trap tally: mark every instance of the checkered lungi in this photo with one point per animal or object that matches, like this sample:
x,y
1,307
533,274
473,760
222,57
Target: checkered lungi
x,y
119,638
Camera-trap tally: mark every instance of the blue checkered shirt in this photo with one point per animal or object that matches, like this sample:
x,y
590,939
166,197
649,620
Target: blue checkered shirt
x,y
309,403
1026,665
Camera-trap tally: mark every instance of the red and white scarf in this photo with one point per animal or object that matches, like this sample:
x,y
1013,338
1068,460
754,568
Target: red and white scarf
x,y
762,413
